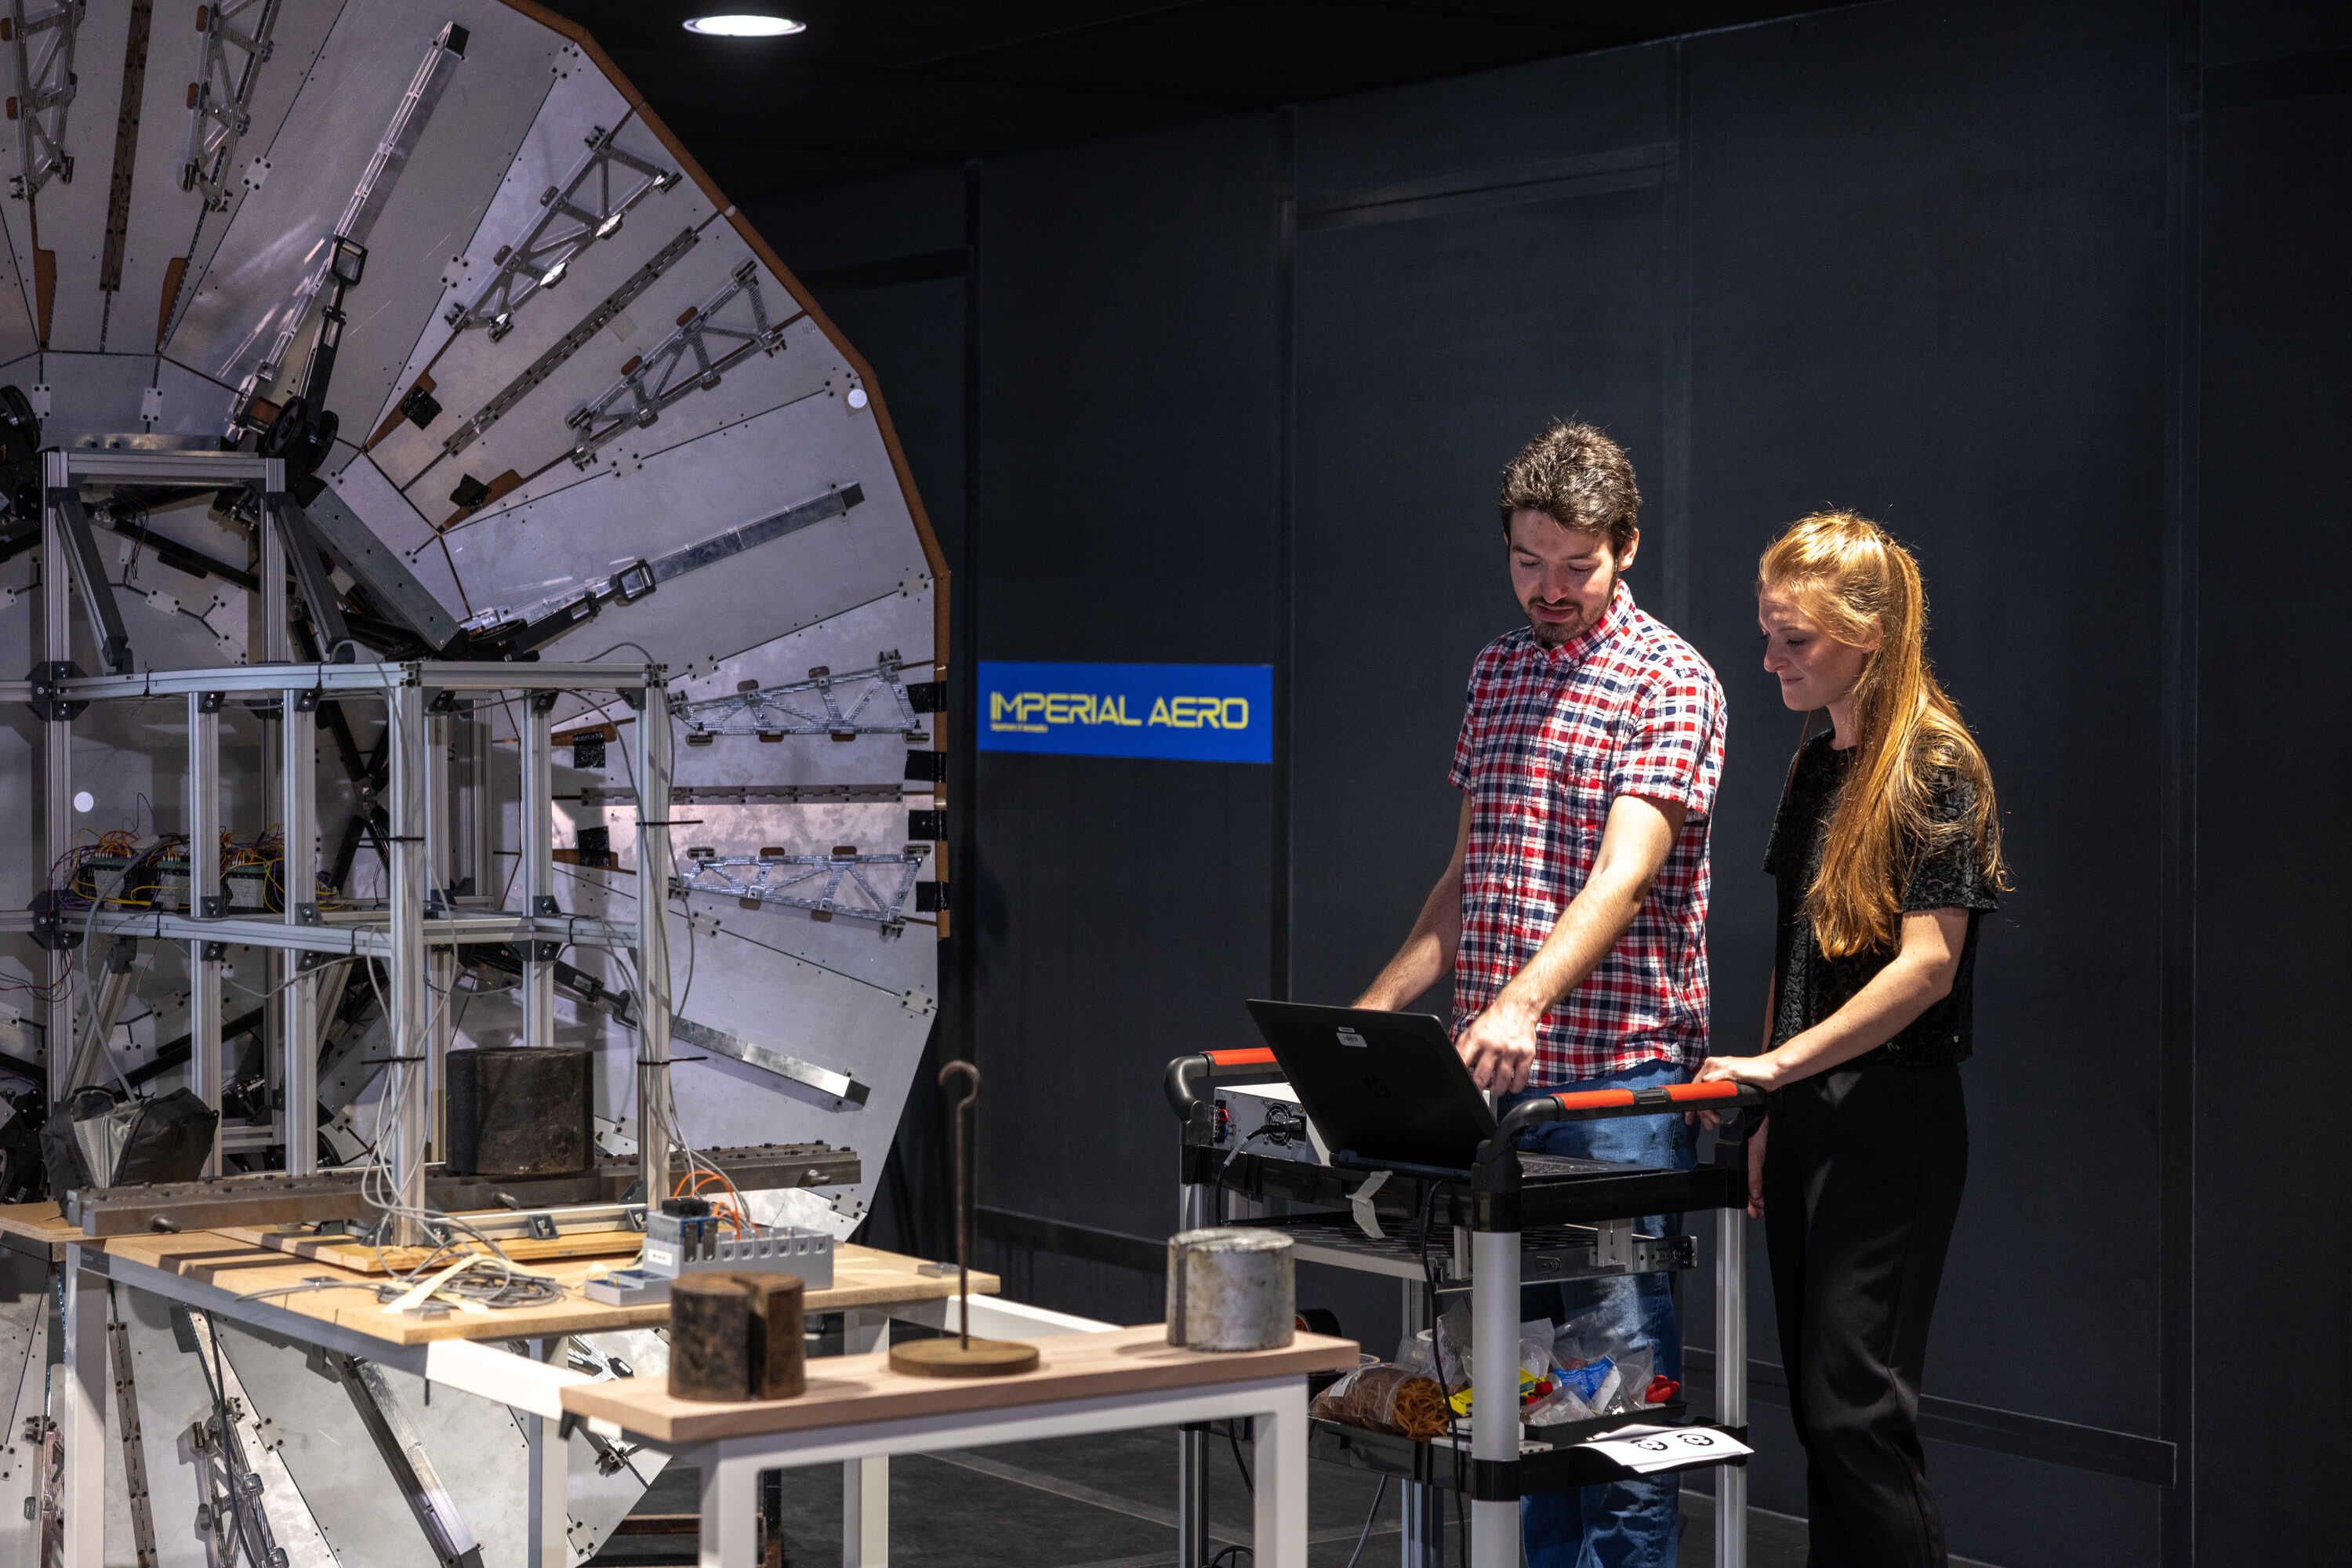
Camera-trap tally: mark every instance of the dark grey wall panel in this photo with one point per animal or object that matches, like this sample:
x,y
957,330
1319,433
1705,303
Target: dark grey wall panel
x,y
2273,855
1428,352
1128,502
1928,285
1905,260
1496,122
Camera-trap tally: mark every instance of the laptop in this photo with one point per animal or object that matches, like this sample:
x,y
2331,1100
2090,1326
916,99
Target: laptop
x,y
1387,1091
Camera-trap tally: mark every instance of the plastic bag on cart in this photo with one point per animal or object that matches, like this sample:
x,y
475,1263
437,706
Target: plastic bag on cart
x,y
1600,1373
1386,1397
1539,1375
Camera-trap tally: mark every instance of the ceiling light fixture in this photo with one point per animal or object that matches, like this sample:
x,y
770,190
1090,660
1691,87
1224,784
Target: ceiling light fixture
x,y
744,26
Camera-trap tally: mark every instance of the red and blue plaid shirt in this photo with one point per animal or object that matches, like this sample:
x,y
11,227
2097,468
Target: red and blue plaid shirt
x,y
1551,737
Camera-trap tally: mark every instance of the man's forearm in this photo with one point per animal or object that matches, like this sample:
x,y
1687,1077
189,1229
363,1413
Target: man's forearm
x,y
1427,954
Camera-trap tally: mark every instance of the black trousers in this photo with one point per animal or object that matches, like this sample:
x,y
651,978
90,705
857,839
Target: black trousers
x,y
1863,1172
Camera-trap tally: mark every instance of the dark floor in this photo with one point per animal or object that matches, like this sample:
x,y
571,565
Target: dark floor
x,y
1096,1502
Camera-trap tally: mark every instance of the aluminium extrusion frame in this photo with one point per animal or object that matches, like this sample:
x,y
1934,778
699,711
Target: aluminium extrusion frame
x,y
416,923
1489,1214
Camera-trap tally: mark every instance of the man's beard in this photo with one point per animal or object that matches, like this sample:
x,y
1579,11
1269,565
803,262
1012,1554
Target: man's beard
x,y
1551,633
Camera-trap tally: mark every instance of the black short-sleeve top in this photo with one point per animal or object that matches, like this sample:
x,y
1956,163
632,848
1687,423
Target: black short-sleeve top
x,y
1948,875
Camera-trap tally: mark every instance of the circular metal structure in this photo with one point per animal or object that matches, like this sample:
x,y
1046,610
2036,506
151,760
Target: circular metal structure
x,y
540,393
549,396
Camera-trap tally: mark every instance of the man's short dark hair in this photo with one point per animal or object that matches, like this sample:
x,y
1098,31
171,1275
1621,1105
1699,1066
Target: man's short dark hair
x,y
1580,479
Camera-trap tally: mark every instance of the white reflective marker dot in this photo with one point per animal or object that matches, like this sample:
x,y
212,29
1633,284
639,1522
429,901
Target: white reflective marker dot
x,y
858,397
84,800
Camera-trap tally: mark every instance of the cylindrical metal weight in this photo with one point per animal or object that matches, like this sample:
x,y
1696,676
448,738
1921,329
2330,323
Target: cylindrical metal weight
x,y
1231,1289
521,1111
709,1338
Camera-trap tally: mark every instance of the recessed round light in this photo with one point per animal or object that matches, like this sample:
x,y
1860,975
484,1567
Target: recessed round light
x,y
741,24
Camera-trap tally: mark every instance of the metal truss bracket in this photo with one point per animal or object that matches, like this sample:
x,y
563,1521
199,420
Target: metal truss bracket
x,y
564,347
403,1452
680,363
220,105
47,680
771,712
44,45
582,210
89,576
816,883
252,1503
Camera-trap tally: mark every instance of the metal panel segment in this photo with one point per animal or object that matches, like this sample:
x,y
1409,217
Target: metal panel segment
x,y
401,1449
378,177
319,156
69,213
467,368
377,567
700,489
539,440
158,217
295,43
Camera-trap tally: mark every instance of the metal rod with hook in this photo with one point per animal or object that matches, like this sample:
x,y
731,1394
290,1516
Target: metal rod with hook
x,y
960,1127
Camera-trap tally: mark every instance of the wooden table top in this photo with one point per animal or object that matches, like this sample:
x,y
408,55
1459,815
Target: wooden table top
x,y
37,1222
853,1390
861,1276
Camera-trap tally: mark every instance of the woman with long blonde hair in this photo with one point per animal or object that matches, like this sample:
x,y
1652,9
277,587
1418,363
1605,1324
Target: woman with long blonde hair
x,y
1886,851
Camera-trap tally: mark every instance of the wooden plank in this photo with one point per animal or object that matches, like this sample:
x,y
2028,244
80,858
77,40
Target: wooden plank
x,y
845,1391
37,1222
863,1277
300,1241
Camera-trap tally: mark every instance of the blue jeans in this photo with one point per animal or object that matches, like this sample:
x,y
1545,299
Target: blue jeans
x,y
1631,1523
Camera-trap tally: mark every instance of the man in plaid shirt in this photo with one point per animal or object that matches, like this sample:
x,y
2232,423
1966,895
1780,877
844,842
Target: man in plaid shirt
x,y
1574,914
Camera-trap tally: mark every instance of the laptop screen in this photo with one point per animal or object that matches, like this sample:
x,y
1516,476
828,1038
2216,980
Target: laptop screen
x,y
1379,1086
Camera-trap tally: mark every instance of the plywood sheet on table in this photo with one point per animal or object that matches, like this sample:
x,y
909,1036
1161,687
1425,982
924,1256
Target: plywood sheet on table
x,y
863,1277
845,1391
300,1241
37,1222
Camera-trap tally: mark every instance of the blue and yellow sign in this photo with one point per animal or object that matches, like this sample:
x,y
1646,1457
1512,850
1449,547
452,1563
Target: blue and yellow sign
x,y
1191,713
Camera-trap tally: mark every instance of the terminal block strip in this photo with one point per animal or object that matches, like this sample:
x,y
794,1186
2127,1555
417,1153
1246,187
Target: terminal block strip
x,y
581,211
839,884
681,363
883,704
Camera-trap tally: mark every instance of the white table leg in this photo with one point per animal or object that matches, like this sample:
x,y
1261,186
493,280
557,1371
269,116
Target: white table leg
x,y
1279,1534
81,1415
866,1483
731,1510
548,1491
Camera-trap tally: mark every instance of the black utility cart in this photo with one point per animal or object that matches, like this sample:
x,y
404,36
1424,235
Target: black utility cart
x,y
1487,1232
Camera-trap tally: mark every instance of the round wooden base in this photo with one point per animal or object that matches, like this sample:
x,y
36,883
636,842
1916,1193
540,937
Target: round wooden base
x,y
953,1358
